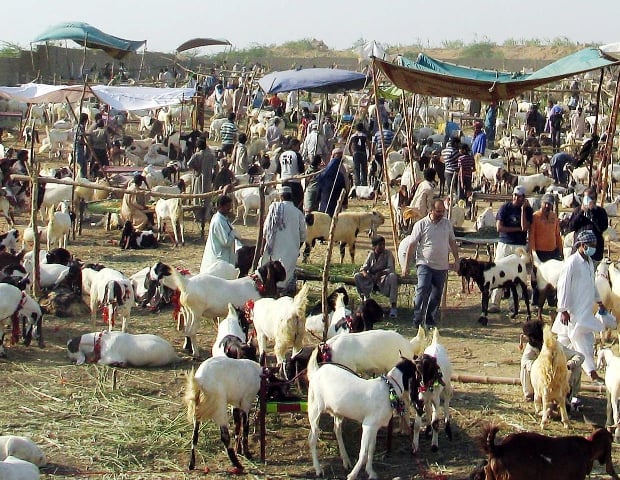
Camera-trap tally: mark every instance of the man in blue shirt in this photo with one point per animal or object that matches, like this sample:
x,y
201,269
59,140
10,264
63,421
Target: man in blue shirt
x,y
377,148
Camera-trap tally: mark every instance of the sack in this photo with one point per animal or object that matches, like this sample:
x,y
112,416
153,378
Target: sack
x,y
607,319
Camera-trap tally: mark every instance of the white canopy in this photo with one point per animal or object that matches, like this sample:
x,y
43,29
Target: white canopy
x,y
612,50
120,98
372,49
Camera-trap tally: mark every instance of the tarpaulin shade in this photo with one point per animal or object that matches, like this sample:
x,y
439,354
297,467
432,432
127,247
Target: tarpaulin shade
x,y
322,80
41,93
432,77
200,42
611,50
91,37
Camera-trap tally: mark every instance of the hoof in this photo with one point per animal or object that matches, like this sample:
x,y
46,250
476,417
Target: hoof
x,y
434,448
484,321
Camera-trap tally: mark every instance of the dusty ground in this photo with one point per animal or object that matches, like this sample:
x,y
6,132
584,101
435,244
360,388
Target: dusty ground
x,y
89,429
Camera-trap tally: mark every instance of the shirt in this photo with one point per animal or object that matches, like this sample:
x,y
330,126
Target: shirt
x,y
388,136
510,216
467,164
228,130
289,165
545,232
433,242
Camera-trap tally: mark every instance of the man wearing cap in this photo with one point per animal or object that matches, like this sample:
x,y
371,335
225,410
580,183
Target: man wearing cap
x,y
314,143
513,221
285,232
590,216
378,271
575,323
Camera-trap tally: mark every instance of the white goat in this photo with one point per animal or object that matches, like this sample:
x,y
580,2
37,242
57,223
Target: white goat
x,y
547,275
59,227
13,468
435,388
232,337
314,323
28,236
486,219
121,350
171,208
282,320
611,363
343,394
22,448
111,291
50,274
22,310
219,382
249,199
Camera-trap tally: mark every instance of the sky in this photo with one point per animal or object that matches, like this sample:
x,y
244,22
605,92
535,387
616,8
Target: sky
x,y
340,24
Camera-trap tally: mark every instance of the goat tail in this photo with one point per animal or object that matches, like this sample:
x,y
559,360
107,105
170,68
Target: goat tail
x,y
435,340
301,299
313,363
192,396
535,260
486,440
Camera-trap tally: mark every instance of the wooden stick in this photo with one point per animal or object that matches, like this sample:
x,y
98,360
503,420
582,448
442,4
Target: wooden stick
x,y
261,220
328,261
613,117
490,380
34,172
595,129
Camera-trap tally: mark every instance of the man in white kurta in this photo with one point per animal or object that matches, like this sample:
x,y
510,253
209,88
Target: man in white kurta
x,y
221,240
575,323
284,231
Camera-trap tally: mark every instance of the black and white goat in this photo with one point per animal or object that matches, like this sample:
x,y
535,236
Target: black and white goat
x,y
232,336
137,239
25,314
343,394
110,291
507,272
9,240
221,381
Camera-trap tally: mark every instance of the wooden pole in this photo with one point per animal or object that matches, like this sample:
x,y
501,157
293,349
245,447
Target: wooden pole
x,y
490,380
327,263
260,220
375,78
606,161
595,129
34,188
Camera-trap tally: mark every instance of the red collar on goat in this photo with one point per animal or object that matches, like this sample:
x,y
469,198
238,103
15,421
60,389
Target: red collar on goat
x,y
97,348
258,283
15,319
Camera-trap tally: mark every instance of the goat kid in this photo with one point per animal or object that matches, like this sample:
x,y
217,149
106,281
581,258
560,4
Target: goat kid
x,y
232,336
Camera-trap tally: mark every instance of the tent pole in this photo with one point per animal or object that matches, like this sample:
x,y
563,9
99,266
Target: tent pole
x,y
606,161
34,188
141,64
595,129
83,57
375,78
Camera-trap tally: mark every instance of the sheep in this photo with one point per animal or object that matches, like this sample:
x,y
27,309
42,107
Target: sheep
x,y
612,208
549,377
611,363
59,227
232,336
120,349
508,272
527,455
207,295
348,226
111,291
370,351
22,448
435,370
23,311
281,320
218,382
13,468
171,208
343,394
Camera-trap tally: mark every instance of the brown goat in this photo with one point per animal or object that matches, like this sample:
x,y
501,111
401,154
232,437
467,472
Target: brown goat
x,y
529,455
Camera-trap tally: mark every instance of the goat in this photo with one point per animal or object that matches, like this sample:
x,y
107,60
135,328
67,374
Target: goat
x,y
549,378
343,394
508,272
528,455
121,349
136,239
111,291
8,240
434,369
24,312
612,382
547,275
219,382
22,448
281,320
232,336
207,295
13,468
60,256
171,208
59,227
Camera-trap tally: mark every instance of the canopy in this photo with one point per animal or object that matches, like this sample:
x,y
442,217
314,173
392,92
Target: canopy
x,y
429,76
611,50
371,49
119,98
323,80
200,42
87,35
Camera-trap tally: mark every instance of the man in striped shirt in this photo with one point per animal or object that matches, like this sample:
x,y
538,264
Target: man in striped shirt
x,y
377,149
467,166
228,133
450,159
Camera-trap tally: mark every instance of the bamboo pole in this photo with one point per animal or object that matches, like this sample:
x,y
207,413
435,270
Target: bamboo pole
x,y
375,78
595,129
34,188
613,118
327,263
491,380
260,221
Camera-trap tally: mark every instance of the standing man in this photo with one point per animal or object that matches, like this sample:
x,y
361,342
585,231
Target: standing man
x,y
466,168
330,183
228,133
513,221
274,134
202,163
80,145
575,323
432,239
314,144
376,169
578,123
358,149
221,240
291,164
378,271
450,159
589,216
490,119
285,232
479,144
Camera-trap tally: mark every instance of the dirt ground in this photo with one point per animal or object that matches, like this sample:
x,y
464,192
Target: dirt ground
x,y
99,422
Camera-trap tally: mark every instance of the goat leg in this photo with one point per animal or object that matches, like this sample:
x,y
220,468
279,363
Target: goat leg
x,y
245,418
483,320
526,299
192,459
515,299
237,419
225,437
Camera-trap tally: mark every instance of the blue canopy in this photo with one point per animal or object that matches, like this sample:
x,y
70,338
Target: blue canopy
x,y
323,80
87,35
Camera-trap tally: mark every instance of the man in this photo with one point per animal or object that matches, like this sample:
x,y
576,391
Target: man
x,y
489,123
575,323
450,159
314,144
533,331
378,271
432,239
274,134
285,232
558,163
240,158
479,144
221,240
578,123
358,149
377,150
330,183
328,131
589,216
466,168
228,133
545,239
291,164
422,199
513,221
202,163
